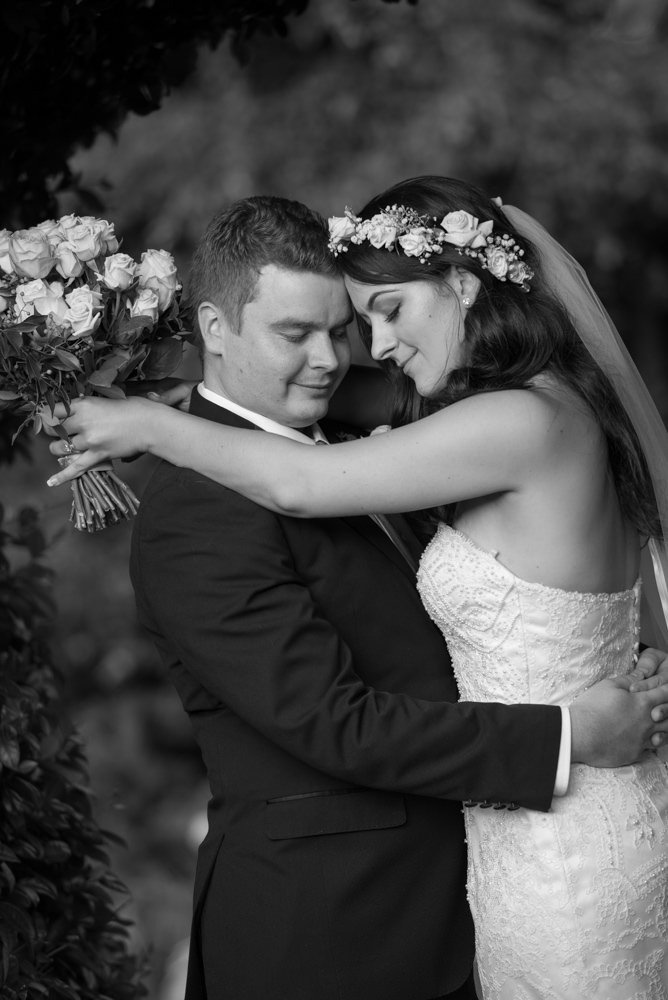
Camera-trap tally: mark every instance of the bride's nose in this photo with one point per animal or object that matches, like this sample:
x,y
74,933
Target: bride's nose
x,y
383,342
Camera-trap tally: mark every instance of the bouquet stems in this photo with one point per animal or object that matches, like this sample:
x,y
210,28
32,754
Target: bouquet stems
x,y
100,498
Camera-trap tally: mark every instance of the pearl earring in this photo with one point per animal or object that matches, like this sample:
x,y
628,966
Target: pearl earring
x,y
466,301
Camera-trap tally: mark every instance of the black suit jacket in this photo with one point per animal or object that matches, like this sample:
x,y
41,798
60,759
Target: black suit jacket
x,y
322,699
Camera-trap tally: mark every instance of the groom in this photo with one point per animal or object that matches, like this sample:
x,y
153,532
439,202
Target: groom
x,y
319,691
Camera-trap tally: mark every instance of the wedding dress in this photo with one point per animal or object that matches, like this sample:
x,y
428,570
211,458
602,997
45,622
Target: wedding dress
x,y
572,903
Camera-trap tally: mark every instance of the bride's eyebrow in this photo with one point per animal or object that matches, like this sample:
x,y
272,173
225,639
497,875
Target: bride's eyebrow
x,y
375,295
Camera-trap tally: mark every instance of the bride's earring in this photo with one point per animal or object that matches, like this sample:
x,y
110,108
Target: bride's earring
x,y
466,301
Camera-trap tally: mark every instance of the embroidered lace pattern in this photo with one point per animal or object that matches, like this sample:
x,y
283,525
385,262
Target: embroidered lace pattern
x,y
570,904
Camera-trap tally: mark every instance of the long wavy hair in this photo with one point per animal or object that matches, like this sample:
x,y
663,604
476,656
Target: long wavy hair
x,y
510,336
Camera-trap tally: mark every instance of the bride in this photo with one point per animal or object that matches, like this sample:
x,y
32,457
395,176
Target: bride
x,y
525,435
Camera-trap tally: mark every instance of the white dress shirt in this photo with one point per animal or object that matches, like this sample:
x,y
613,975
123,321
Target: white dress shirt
x,y
266,424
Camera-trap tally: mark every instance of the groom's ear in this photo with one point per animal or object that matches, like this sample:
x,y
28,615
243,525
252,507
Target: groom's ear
x,y
214,327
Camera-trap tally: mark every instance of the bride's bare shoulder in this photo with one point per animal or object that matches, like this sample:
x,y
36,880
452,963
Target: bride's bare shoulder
x,y
547,416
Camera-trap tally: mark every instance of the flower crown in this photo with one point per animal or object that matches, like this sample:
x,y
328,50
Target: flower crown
x,y
404,229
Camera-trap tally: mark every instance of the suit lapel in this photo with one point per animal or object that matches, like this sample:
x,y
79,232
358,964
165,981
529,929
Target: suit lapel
x,y
375,536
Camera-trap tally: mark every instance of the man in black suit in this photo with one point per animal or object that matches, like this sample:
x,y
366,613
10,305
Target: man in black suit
x,y
319,691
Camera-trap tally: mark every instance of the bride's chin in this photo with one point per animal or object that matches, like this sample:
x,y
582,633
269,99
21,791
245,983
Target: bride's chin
x,y
428,388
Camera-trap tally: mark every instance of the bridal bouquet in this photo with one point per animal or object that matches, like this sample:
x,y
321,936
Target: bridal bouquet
x,y
77,317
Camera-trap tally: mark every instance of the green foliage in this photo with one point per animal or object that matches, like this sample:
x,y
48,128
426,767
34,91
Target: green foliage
x,y
61,935
71,70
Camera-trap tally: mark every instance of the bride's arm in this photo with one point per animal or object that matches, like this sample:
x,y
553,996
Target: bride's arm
x,y
478,446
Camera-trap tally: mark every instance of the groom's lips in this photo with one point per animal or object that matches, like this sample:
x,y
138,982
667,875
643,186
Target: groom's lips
x,y
318,386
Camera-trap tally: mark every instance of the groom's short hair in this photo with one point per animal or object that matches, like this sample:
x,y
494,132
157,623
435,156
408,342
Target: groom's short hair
x,y
247,236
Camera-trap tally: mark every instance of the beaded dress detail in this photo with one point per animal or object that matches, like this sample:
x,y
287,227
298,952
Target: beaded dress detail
x,y
570,904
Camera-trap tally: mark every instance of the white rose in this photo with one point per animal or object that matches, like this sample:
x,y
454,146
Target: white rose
x,y
459,222
85,241
119,271
67,261
52,230
40,297
340,228
463,230
105,231
67,222
414,243
83,312
157,271
5,260
146,304
30,253
497,262
381,234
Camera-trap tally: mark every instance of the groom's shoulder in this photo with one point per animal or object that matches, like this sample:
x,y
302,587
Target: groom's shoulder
x,y
183,495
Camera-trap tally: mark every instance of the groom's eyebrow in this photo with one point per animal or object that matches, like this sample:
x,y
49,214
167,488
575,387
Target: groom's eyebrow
x,y
302,325
281,325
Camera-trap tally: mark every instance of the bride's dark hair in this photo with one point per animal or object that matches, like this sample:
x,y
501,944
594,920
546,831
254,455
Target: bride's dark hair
x,y
511,336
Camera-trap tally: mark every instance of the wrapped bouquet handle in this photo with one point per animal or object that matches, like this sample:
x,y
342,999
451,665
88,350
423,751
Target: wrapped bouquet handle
x,y
99,497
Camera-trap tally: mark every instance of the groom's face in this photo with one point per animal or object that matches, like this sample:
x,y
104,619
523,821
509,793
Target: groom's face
x,y
292,348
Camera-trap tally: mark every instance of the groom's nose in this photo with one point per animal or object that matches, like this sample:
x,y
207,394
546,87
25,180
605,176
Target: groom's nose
x,y
322,353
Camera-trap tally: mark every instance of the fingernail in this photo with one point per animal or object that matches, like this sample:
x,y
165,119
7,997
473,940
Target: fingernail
x,y
52,482
154,396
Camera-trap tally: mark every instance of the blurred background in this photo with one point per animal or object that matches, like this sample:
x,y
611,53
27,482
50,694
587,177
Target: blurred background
x,y
559,106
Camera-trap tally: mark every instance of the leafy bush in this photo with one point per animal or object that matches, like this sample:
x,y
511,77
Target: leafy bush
x,y
99,61
61,934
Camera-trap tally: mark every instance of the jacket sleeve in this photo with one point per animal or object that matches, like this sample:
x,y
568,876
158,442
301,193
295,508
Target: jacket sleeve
x,y
215,574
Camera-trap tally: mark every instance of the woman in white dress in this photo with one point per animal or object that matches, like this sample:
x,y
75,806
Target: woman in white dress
x,y
526,433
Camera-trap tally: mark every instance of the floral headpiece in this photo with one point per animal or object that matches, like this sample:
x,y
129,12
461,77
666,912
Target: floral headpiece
x,y
405,230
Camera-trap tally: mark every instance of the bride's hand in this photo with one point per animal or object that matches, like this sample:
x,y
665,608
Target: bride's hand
x,y
99,430
650,671
176,395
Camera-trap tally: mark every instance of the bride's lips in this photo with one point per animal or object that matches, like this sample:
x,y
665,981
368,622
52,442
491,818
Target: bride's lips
x,y
402,364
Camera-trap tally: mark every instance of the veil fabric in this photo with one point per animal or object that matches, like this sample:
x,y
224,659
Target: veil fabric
x,y
570,285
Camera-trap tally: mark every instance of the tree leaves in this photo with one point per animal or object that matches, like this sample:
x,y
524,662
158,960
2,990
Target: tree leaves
x,y
61,934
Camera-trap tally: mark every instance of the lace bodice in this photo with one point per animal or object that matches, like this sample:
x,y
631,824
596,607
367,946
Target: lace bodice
x,y
570,904
514,641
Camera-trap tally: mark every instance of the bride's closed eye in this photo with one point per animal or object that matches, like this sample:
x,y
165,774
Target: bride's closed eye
x,y
393,314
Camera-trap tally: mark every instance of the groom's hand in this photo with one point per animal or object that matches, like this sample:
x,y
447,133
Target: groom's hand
x,y
612,726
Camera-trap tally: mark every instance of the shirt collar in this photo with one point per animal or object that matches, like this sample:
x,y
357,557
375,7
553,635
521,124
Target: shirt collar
x,y
264,423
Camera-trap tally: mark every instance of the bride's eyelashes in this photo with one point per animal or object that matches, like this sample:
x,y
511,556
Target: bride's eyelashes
x,y
392,315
